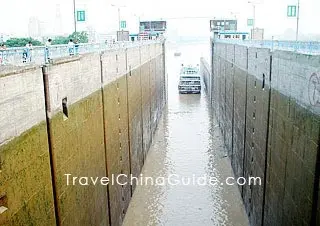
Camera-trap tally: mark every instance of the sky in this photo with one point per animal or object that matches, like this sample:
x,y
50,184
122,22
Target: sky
x,y
103,18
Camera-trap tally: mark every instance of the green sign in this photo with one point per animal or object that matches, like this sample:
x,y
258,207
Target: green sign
x,y
81,15
292,11
123,24
250,22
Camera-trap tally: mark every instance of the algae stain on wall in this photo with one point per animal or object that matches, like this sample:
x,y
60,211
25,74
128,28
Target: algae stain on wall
x,y
25,179
92,132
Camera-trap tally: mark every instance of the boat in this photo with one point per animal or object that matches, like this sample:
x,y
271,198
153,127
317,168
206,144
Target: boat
x,y
189,80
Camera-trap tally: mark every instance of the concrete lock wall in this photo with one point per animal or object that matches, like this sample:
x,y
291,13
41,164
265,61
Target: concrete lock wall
x,y
293,147
275,118
135,111
77,137
146,98
116,124
86,116
26,195
258,86
239,112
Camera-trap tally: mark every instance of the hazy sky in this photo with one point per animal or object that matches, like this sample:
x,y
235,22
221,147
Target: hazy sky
x,y
270,14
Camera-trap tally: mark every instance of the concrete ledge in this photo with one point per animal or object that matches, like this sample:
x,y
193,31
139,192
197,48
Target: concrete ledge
x,y
7,70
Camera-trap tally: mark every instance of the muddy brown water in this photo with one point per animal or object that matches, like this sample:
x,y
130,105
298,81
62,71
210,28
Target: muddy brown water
x,y
187,144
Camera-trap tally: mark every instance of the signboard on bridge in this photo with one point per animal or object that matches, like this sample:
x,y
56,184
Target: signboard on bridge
x,y
250,22
122,35
123,24
81,16
223,25
153,26
292,11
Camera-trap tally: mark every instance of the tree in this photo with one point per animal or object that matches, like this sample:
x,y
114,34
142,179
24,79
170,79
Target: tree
x,y
20,42
60,40
82,37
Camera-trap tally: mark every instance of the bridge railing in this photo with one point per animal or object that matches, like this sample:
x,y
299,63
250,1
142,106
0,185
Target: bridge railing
x,y
311,47
39,55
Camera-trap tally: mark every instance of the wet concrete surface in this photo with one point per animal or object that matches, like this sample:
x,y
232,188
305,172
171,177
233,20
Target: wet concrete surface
x,y
187,144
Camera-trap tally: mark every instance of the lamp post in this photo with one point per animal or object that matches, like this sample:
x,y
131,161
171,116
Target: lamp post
x,y
119,21
254,18
298,17
234,14
74,16
139,20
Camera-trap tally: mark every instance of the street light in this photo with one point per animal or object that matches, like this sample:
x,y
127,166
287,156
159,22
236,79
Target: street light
x,y
234,14
119,22
139,18
254,18
74,16
298,17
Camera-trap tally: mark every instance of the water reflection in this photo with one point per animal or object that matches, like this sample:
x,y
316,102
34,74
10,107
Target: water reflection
x,y
187,144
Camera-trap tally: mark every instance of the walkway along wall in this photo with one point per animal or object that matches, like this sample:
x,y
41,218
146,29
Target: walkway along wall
x,y
88,116
271,101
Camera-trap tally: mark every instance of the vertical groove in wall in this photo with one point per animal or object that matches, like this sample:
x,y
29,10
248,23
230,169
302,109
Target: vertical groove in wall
x,y
165,72
212,73
267,144
316,188
104,136
245,121
141,108
225,119
128,117
218,94
52,168
225,100
150,105
232,125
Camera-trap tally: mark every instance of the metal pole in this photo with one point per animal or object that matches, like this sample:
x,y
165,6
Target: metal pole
x,y
298,15
119,18
254,20
75,15
139,25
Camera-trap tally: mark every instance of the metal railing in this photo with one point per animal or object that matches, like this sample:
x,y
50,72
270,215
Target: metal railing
x,y
311,47
39,55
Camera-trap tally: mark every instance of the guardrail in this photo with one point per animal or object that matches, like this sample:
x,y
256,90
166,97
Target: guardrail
x,y
41,55
312,47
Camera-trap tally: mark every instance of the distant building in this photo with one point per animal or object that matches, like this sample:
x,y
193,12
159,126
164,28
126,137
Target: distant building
x,y
92,34
122,35
150,30
4,37
234,35
34,29
105,38
143,36
153,27
58,21
223,25
217,27
257,34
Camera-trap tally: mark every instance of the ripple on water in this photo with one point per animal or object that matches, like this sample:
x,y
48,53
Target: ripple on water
x,y
187,142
